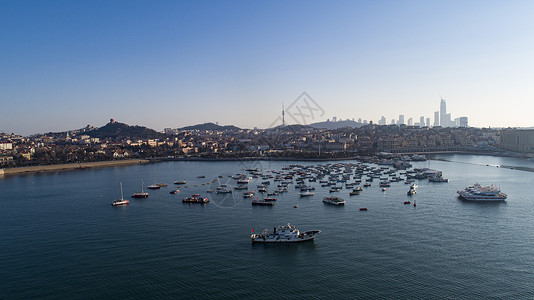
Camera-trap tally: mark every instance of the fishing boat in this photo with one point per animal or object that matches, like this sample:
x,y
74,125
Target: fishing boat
x,y
354,192
195,199
334,200
263,202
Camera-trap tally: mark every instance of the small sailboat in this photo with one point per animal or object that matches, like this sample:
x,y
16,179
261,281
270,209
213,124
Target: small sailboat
x,y
120,201
141,194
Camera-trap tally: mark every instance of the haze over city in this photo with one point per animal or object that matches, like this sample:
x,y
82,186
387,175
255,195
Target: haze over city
x,y
171,64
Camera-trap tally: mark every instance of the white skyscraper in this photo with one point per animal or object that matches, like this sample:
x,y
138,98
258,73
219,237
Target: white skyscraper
x,y
382,121
436,118
443,114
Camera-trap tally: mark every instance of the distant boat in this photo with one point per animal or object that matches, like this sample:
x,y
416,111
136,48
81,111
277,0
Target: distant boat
x,y
334,200
120,201
154,187
180,182
306,194
263,202
195,199
141,194
437,179
354,192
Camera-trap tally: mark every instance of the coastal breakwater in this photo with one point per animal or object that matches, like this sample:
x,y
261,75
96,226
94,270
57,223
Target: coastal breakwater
x,y
72,166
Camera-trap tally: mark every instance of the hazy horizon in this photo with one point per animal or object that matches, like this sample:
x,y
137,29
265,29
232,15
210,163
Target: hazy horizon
x,y
174,64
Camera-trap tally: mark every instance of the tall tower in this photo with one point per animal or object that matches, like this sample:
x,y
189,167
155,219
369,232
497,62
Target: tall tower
x,y
283,116
436,118
443,114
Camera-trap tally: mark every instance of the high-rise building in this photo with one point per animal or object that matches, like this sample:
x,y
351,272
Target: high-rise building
x,y
463,122
436,118
448,121
401,119
392,121
427,122
443,113
410,122
422,121
382,121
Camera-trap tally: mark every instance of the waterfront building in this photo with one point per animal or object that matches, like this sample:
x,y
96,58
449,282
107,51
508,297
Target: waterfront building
x,y
518,140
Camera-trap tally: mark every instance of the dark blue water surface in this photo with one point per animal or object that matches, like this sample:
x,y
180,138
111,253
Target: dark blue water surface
x,y
60,238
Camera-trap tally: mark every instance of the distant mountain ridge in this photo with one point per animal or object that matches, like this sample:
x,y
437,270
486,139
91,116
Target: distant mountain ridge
x,y
337,125
210,126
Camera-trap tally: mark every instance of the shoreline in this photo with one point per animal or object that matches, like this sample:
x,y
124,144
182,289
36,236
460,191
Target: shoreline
x,y
129,162
71,166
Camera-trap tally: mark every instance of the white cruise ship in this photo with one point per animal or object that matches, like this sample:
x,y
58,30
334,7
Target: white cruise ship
x,y
284,234
478,192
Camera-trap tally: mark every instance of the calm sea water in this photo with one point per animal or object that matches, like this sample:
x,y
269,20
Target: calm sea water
x,y
60,238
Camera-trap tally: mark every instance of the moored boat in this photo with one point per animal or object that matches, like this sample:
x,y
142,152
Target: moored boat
x,y
263,202
284,234
334,200
141,194
195,199
120,201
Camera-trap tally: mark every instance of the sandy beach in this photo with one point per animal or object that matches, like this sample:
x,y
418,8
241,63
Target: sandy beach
x,y
73,166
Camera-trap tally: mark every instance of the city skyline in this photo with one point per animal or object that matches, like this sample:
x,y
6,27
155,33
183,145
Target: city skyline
x,y
172,64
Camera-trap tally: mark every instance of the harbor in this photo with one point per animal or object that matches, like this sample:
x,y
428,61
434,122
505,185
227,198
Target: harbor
x,y
377,239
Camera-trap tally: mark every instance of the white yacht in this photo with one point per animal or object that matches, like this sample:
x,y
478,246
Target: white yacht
x,y
284,234
306,194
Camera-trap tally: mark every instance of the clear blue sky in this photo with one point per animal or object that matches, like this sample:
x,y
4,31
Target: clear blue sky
x,y
66,64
